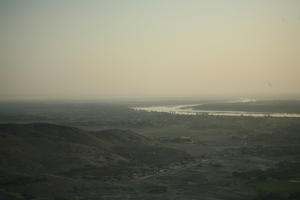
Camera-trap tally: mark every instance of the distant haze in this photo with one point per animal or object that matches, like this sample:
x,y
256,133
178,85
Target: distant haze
x,y
58,49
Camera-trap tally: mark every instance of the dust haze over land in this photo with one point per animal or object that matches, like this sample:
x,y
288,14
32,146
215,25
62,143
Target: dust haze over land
x,y
131,100
128,49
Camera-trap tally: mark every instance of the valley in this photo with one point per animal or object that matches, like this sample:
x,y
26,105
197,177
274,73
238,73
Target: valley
x,y
99,151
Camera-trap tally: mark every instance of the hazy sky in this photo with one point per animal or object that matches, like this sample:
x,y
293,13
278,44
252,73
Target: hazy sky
x,y
148,48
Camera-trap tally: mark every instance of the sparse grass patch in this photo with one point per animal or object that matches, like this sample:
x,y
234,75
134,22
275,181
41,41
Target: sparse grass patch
x,y
216,163
277,186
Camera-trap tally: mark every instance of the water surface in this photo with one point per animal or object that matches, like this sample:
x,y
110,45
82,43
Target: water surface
x,y
188,110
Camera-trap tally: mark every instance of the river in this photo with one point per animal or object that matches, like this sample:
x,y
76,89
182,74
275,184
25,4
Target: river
x,y
188,110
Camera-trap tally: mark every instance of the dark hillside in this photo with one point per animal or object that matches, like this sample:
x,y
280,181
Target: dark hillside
x,y
39,148
140,149
38,156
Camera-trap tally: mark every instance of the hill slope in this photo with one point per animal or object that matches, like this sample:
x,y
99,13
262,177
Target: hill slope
x,y
48,148
51,161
